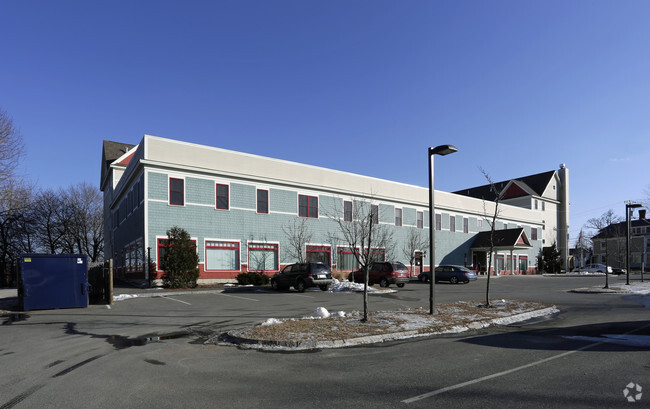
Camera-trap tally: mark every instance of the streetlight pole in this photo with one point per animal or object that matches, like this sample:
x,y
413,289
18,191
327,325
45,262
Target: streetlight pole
x,y
441,150
629,210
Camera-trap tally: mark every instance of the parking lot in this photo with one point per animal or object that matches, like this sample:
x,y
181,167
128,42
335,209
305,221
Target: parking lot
x,y
149,351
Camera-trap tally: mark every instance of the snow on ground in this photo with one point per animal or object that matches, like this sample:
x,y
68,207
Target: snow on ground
x,y
350,287
122,297
634,288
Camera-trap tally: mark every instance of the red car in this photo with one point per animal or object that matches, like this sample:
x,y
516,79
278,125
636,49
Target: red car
x,y
384,274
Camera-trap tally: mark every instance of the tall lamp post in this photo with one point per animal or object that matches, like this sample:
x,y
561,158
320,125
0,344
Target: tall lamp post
x,y
441,150
629,209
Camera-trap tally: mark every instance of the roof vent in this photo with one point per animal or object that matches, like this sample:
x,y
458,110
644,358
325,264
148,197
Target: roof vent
x,y
562,165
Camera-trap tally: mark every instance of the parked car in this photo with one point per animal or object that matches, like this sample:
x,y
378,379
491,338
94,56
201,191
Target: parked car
x,y
593,268
453,274
384,274
618,270
302,276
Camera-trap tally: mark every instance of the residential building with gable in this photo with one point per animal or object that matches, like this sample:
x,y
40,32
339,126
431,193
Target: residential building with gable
x,y
610,244
234,206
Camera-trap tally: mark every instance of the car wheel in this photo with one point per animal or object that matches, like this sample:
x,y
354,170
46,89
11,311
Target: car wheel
x,y
423,278
400,285
351,277
384,283
323,287
300,286
453,280
274,285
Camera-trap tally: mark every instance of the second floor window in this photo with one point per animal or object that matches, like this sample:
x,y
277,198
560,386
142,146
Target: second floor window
x,y
262,201
374,210
438,222
347,211
419,216
222,197
452,223
176,192
307,206
398,217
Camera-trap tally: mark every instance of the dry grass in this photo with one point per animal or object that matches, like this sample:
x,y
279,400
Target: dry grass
x,y
445,319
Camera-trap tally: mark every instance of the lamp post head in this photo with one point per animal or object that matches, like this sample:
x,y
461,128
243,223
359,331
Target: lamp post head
x,y
632,205
443,150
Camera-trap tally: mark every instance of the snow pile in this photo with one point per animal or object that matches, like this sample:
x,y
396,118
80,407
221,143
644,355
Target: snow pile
x,y
349,287
271,321
124,297
321,312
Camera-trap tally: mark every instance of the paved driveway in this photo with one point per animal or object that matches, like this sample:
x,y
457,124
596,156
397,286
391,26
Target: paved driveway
x,y
96,357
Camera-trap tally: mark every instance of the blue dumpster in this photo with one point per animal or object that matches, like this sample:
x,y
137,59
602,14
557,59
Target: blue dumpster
x,y
50,281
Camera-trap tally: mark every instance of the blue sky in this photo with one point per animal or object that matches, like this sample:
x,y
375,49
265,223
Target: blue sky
x,y
360,86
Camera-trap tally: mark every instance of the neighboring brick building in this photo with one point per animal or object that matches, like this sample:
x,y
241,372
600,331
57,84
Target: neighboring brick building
x,y
235,205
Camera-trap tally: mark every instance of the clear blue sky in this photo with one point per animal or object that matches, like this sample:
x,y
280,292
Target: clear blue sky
x,y
360,86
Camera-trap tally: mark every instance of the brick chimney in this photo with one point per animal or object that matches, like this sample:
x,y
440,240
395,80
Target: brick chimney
x,y
642,214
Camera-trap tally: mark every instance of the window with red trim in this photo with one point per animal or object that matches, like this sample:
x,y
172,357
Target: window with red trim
x,y
162,248
263,257
176,192
319,254
223,197
308,206
262,201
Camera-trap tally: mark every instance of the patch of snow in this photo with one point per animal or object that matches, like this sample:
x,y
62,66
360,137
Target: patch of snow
x,y
340,314
349,287
271,321
321,312
229,285
124,297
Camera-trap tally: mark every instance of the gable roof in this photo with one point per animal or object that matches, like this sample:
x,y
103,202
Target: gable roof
x,y
110,152
620,229
507,239
536,184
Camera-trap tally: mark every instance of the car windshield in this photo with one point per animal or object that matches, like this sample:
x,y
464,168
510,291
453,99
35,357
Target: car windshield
x,y
398,266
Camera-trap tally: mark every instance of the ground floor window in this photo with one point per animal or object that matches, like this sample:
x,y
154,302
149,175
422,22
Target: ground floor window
x,y
347,261
319,254
263,257
221,256
500,263
509,262
523,264
133,257
377,255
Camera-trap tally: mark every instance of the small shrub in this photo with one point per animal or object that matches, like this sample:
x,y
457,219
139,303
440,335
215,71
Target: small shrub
x,y
252,279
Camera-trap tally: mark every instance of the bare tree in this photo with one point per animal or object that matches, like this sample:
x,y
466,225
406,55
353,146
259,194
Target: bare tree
x,y
415,241
608,225
298,235
87,226
362,233
492,222
11,150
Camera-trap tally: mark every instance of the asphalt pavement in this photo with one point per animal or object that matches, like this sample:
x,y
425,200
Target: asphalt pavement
x,y
149,351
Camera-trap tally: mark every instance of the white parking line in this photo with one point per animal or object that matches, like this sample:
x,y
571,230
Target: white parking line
x,y
174,299
235,296
509,371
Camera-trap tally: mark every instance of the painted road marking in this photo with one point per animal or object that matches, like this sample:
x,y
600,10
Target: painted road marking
x,y
235,296
509,371
174,299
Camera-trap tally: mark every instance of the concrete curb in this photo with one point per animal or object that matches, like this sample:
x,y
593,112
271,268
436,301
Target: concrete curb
x,y
235,337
